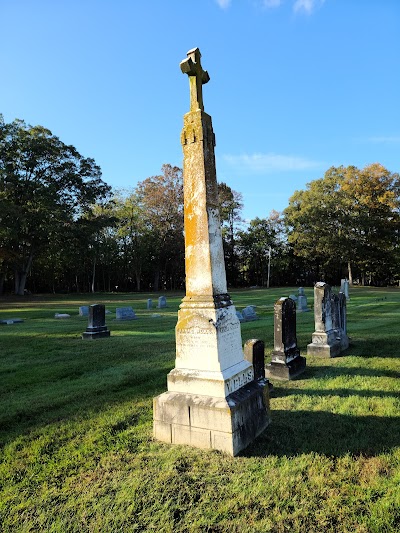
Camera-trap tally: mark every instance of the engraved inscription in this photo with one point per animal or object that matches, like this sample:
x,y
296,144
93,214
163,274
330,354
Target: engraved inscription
x,y
235,383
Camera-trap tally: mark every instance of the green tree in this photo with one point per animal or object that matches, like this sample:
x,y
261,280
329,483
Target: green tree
x,y
347,219
230,207
262,237
45,186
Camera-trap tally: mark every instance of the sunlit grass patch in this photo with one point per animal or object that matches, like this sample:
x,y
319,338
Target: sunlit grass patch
x,y
76,426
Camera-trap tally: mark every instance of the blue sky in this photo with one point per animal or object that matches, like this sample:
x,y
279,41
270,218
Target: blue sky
x,y
296,85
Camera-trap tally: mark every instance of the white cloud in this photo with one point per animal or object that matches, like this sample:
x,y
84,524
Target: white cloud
x,y
266,163
306,6
272,3
223,4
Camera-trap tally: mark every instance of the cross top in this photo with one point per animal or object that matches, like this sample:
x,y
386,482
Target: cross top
x,y
197,76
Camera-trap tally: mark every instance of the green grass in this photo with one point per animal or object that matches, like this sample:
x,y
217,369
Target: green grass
x,y
77,452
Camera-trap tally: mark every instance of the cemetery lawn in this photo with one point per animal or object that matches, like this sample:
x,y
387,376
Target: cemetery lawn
x,y
76,444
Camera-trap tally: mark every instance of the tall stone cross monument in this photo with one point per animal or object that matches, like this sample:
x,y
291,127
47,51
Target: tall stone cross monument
x,y
213,400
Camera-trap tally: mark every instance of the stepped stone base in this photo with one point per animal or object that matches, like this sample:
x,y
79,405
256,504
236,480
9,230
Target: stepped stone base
x,y
96,332
286,371
228,424
325,344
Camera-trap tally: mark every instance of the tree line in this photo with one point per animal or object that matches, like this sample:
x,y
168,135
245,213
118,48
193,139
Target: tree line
x,y
63,229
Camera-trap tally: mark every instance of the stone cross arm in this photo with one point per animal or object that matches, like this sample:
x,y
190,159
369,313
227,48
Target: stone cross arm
x,y
197,76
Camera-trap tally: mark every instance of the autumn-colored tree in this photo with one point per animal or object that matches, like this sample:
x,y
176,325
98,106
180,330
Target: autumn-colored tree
x,y
349,218
161,199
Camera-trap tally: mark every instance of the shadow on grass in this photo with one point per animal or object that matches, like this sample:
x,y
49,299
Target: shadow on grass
x,y
302,432
342,393
337,371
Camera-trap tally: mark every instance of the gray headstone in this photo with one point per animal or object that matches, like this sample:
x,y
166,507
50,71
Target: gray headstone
x,y
344,339
293,297
325,339
240,316
249,313
97,323
287,362
149,303
84,310
162,302
62,315
344,287
302,306
10,321
125,313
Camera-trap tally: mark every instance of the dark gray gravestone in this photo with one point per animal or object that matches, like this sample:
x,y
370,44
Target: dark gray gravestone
x,y
97,323
254,350
125,313
287,362
149,303
254,353
325,339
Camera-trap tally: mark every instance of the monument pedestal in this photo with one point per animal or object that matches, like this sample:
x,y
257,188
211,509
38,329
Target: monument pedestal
x,y
228,424
325,344
96,333
213,400
286,370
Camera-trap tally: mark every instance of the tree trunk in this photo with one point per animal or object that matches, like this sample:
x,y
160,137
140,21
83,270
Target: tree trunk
x,y
93,275
156,280
137,276
2,277
350,274
21,276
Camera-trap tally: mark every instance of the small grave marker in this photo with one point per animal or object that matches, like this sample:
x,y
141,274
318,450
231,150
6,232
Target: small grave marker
x,y
125,313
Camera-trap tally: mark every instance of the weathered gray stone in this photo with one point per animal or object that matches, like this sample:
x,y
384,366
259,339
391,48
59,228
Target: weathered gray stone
x,y
249,313
344,339
84,310
125,313
240,316
149,303
227,424
344,287
97,323
325,339
10,321
287,362
62,315
302,306
162,302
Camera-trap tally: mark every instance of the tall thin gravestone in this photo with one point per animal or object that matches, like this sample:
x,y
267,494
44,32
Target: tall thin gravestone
x,y
213,400
287,363
344,287
325,339
344,339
